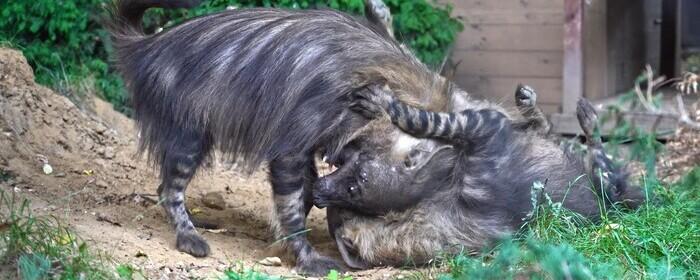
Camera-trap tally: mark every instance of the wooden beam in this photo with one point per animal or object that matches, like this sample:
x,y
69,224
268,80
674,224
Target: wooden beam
x,y
573,55
595,50
663,126
670,39
506,37
501,88
523,64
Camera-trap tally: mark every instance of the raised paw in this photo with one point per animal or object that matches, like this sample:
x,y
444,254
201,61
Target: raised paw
x,y
317,265
525,96
192,243
587,116
371,101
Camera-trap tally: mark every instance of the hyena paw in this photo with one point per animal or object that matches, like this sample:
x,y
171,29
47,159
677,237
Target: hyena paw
x,y
372,101
192,243
525,96
317,265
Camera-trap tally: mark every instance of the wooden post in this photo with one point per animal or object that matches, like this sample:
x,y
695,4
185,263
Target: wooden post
x,y
670,39
572,80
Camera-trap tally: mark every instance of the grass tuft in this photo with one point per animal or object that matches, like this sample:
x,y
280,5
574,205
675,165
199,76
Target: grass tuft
x,y
41,247
240,273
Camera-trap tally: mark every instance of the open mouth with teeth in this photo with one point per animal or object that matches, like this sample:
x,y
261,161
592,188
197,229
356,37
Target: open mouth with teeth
x,y
326,167
323,196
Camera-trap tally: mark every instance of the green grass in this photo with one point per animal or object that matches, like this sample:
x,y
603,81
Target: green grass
x,y
41,247
661,240
241,273
246,274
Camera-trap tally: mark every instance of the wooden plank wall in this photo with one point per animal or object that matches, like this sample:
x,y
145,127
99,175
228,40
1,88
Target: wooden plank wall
x,y
507,42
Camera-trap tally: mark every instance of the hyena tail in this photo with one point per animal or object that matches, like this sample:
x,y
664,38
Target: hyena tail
x,y
613,179
124,22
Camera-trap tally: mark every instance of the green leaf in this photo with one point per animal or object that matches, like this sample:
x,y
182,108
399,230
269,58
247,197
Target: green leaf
x,y
125,271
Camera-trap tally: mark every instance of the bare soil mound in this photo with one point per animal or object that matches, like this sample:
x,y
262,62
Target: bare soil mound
x,y
106,193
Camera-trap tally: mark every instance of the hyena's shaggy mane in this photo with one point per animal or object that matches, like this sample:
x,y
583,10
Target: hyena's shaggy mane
x,y
259,83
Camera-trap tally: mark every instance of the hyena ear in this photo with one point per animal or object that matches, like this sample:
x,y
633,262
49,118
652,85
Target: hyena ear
x,y
422,153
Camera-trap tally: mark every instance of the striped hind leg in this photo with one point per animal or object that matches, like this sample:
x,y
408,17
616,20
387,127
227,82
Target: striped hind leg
x,y
185,153
292,178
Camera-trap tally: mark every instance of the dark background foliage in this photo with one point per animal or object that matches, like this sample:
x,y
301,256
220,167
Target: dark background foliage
x,y
69,49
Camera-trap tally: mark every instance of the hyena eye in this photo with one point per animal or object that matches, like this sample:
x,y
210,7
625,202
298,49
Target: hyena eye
x,y
353,190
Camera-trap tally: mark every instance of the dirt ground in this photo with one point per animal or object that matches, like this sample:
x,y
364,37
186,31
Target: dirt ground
x,y
107,194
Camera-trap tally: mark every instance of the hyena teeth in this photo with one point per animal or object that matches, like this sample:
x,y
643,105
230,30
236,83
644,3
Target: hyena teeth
x,y
325,170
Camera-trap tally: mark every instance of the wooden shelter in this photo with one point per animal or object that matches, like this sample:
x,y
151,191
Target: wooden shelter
x,y
567,49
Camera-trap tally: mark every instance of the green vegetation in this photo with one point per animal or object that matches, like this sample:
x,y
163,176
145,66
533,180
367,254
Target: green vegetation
x,y
247,274
64,43
41,247
69,49
241,273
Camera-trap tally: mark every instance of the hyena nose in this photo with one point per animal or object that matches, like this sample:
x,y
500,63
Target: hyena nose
x,y
322,192
323,187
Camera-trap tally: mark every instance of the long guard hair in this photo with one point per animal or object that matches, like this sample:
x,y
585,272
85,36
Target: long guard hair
x,y
259,83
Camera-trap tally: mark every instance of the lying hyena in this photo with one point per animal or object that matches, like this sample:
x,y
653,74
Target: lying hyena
x,y
467,183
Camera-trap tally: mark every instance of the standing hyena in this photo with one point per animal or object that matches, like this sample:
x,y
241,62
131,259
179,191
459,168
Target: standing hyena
x,y
467,183
261,85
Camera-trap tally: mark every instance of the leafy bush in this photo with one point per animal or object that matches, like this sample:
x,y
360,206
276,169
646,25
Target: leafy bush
x,y
66,45
427,30
63,42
